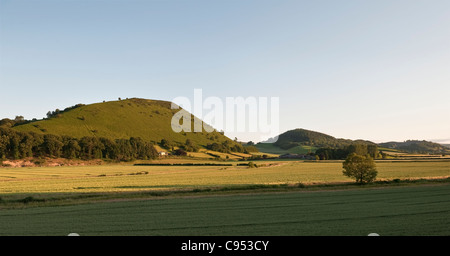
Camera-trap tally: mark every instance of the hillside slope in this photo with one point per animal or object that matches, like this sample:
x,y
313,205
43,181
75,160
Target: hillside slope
x,y
147,119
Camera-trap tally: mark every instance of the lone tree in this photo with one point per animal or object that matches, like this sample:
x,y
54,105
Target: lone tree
x,y
361,168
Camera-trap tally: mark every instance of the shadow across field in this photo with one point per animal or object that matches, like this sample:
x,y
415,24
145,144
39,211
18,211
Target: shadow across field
x,y
404,209
168,191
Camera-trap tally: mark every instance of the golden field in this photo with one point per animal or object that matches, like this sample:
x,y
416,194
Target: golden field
x,y
120,177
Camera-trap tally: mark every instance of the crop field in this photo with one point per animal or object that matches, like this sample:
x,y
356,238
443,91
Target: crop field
x,y
116,178
388,210
409,211
269,147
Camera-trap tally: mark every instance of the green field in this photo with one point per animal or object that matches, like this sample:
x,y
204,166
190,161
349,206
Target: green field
x,y
272,149
123,199
408,211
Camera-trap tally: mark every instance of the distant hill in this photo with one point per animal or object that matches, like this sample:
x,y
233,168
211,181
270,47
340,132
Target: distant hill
x,y
305,141
147,119
417,146
302,141
302,137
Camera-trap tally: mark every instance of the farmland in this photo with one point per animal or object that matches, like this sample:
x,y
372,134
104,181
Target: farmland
x,y
271,148
416,210
116,178
123,199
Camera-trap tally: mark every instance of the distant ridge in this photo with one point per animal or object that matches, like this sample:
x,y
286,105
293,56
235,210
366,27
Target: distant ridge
x,y
307,141
417,146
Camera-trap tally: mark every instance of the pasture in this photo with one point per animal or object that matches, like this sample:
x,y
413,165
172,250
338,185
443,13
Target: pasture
x,y
119,178
271,148
405,211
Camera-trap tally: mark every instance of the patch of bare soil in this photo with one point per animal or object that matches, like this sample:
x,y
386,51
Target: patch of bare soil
x,y
48,162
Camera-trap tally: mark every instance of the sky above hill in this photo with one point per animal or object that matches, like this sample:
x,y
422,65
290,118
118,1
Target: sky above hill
x,y
376,70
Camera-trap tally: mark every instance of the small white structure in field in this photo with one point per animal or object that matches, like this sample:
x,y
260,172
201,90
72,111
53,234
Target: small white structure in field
x,y
162,153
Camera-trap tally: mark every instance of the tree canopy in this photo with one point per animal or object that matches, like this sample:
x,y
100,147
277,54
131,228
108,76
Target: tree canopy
x,y
361,168
19,145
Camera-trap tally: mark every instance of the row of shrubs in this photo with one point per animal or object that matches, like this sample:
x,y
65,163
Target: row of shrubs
x,y
183,164
249,164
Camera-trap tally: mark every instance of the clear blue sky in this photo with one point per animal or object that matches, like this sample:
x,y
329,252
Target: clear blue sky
x,y
376,70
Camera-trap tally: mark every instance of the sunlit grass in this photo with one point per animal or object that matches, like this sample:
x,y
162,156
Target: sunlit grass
x,y
112,178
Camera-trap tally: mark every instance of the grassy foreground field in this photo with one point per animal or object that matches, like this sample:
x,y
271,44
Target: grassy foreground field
x,y
120,178
417,210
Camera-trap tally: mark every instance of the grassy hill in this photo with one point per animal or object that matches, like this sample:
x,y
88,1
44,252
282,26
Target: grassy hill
x,y
147,119
302,137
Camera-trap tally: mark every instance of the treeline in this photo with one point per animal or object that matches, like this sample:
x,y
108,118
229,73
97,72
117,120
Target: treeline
x,y
20,120
19,145
6,122
224,147
58,112
227,147
189,145
343,152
